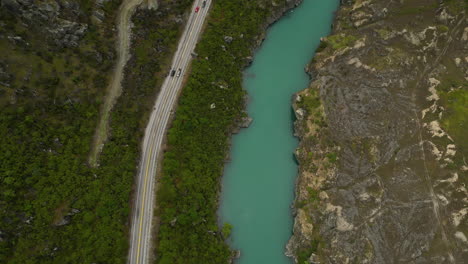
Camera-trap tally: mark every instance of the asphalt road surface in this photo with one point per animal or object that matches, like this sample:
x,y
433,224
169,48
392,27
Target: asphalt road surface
x,y
142,215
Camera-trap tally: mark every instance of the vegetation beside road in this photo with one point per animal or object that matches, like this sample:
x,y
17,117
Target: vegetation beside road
x,y
53,207
209,107
47,117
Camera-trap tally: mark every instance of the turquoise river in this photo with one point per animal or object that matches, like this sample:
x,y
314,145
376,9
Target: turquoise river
x,y
258,183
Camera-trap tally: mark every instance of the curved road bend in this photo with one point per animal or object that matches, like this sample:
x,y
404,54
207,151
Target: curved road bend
x,y
142,215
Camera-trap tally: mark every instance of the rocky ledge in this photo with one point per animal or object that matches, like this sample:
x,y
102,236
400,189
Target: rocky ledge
x,y
64,23
382,137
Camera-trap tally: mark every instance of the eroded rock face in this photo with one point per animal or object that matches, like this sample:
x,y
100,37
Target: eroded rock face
x,y
395,194
59,20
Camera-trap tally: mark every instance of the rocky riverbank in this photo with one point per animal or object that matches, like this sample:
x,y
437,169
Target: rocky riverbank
x,y
277,12
382,156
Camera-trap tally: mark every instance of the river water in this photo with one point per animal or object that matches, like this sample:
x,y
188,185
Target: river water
x,y
258,184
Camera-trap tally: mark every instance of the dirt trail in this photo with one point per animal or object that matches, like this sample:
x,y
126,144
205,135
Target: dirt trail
x,y
126,10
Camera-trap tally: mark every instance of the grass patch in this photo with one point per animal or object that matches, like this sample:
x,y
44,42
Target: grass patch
x,y
442,28
332,157
313,195
340,41
310,102
304,254
453,92
455,117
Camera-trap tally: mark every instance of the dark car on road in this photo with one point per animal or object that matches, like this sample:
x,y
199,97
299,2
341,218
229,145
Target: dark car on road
x,y
204,4
172,73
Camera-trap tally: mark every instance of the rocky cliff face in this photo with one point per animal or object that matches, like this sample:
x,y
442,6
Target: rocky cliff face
x,y
60,21
382,128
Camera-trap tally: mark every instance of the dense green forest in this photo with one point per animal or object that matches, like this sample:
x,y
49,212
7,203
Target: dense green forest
x,y
198,140
54,208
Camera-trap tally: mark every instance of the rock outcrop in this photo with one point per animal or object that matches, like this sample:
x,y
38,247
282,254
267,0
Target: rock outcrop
x,y
59,20
381,152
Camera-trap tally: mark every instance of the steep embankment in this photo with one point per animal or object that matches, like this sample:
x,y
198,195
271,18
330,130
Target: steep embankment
x,y
382,152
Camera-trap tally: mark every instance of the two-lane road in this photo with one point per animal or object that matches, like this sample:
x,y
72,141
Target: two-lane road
x,y
142,215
